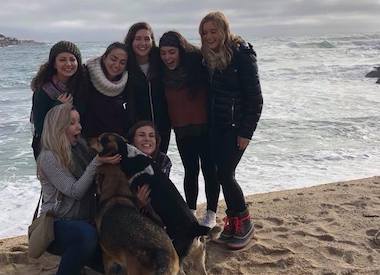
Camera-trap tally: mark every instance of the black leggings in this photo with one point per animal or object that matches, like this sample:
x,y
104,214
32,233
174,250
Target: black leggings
x,y
227,157
165,139
192,149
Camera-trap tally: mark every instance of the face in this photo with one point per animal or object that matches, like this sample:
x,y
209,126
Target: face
x,y
74,129
145,140
115,63
211,37
66,65
170,57
142,44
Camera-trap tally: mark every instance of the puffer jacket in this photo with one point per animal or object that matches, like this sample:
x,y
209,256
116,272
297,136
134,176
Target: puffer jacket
x,y
235,93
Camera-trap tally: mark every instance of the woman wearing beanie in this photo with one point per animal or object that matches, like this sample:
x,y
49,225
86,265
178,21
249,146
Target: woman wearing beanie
x,y
106,101
185,81
146,90
236,104
57,81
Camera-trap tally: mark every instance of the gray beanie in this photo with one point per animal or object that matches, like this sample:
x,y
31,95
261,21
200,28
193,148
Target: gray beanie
x,y
64,47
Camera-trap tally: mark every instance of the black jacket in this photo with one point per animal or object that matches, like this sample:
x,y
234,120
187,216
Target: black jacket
x,y
147,99
235,93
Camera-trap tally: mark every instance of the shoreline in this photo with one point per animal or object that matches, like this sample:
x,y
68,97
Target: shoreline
x,y
323,229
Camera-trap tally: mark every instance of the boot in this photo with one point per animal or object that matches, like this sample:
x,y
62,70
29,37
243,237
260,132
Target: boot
x,y
229,228
243,233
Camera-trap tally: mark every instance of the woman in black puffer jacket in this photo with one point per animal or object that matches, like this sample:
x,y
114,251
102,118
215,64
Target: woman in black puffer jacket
x,y
235,107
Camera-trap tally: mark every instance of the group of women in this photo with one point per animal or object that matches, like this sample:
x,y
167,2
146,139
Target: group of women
x,y
209,96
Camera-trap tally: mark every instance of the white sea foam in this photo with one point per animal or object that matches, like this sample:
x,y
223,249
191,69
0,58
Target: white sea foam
x,y
320,121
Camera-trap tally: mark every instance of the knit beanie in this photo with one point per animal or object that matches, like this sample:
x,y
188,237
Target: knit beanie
x,y
169,39
64,47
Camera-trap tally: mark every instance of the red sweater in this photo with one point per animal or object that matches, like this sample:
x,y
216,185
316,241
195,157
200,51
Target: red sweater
x,y
186,107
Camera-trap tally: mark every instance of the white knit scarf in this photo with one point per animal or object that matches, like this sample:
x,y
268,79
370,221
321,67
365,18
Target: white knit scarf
x,y
100,81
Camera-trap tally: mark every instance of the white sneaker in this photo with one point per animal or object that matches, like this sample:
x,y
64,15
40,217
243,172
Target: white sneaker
x,y
209,219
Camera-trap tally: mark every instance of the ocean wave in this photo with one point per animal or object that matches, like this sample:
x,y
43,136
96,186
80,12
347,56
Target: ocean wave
x,y
322,45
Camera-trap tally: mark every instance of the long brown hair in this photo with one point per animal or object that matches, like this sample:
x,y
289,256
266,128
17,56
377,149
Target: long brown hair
x,y
153,55
47,71
143,123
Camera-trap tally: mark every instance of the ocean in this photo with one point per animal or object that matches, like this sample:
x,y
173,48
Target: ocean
x,y
320,121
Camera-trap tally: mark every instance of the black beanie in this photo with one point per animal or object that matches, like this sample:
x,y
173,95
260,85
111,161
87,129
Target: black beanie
x,y
64,47
169,39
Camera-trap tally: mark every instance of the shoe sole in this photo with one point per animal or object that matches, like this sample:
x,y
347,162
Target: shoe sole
x,y
239,244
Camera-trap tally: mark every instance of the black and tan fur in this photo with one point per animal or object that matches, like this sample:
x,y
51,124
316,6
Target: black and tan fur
x,y
136,243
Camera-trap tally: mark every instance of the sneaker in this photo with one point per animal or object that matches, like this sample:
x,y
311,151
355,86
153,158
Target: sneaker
x,y
244,230
209,219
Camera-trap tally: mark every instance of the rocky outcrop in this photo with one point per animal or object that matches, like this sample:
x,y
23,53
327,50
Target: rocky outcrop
x,y
375,74
7,41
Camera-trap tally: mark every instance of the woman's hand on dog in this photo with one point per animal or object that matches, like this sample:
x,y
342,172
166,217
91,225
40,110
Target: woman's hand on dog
x,y
115,159
142,194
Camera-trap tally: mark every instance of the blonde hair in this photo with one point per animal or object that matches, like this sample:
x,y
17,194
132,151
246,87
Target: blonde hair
x,y
54,138
221,59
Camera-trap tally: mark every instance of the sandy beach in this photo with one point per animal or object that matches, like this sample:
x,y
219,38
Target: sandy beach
x,y
326,229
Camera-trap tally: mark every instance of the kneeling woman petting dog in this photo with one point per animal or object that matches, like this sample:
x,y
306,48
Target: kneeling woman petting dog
x,y
66,172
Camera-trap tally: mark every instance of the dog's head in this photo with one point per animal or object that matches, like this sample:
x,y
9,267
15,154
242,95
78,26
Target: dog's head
x,y
111,144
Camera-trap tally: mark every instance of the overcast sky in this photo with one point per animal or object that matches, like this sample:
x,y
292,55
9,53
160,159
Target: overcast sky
x,y
108,20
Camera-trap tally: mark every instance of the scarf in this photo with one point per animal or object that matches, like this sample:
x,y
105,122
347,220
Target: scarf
x,y
100,81
175,78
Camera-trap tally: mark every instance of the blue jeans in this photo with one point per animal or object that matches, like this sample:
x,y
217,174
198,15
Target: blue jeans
x,y
77,244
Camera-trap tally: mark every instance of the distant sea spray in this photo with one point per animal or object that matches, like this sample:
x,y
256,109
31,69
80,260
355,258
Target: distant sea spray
x,y
320,121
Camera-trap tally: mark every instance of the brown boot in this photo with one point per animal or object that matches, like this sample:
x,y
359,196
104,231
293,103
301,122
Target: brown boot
x,y
229,228
244,230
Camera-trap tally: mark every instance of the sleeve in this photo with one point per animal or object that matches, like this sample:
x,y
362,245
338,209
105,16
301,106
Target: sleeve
x,y
63,180
252,100
165,164
41,105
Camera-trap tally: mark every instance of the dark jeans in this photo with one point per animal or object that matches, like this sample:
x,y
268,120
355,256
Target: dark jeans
x,y
77,244
193,149
227,157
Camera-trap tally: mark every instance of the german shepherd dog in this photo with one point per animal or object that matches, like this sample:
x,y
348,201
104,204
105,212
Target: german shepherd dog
x,y
135,242
181,225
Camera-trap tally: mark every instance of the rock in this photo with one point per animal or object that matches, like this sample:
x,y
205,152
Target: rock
x,y
375,74
7,41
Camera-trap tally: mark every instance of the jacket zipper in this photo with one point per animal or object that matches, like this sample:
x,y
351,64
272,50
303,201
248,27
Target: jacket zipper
x,y
232,112
151,103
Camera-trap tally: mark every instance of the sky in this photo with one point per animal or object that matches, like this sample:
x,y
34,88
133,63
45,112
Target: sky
x,y
109,20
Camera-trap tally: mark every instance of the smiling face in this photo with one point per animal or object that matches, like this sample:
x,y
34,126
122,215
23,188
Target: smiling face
x,y
211,36
145,140
141,45
170,56
66,65
115,63
73,131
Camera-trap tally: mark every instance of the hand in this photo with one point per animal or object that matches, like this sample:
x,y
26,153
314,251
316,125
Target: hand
x,y
115,159
65,98
242,143
142,194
